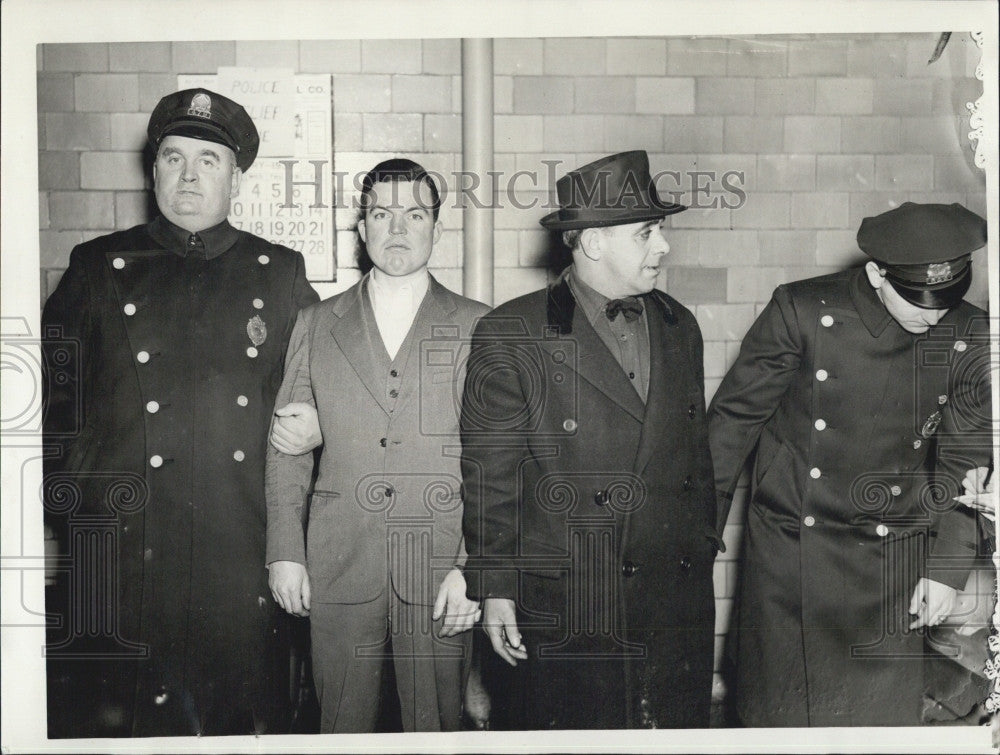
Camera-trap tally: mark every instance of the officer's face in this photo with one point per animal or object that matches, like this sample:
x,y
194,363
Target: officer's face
x,y
910,317
194,181
398,227
630,257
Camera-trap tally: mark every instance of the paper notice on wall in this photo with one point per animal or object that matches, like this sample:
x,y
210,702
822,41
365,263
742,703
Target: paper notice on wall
x,y
287,195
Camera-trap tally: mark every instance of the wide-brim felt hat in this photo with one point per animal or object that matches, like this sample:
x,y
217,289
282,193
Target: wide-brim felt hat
x,y
204,114
614,190
925,250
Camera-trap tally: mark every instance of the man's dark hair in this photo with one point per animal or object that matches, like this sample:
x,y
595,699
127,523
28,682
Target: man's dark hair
x,y
396,170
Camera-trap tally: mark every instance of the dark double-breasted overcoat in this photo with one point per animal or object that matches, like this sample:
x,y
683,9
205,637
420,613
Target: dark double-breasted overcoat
x,y
163,367
594,511
842,407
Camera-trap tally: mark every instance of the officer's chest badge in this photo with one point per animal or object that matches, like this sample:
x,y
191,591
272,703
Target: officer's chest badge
x,y
256,330
931,424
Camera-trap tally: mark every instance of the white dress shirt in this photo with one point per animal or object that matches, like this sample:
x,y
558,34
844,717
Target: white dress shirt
x,y
395,301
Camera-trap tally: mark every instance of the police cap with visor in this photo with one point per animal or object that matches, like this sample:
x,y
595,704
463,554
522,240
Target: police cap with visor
x,y
925,250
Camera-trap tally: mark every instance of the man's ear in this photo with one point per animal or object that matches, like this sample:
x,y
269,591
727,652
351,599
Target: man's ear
x,y
362,231
234,186
876,276
438,229
592,243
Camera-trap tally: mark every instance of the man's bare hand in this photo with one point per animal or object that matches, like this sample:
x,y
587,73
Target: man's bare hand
x,y
979,496
459,612
932,603
289,583
295,429
500,624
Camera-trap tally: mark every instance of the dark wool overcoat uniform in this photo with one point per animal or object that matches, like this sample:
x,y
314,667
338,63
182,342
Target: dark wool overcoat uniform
x,y
842,406
164,357
594,511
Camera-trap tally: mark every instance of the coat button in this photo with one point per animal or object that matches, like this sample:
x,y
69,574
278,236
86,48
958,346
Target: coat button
x,y
242,400
917,443
569,425
156,461
822,375
601,497
960,346
882,530
896,490
147,554
826,321
820,424
258,304
161,697
252,352
815,473
263,259
943,399
118,263
152,407
688,483
809,521
129,309
685,563
393,373
142,357
629,568
239,455
692,411
383,442
393,393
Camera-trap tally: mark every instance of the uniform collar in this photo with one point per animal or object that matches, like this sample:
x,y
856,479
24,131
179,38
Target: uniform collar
x,y
217,240
873,312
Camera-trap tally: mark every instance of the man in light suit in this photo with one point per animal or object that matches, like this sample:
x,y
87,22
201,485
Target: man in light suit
x,y
589,510
374,556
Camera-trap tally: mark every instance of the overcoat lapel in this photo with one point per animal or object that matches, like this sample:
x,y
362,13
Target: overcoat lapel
x,y
668,368
594,363
352,335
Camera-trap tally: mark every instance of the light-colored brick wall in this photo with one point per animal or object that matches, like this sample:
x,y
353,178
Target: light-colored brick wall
x,y
826,130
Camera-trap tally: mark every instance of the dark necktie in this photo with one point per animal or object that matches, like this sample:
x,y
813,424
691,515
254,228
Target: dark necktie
x,y
630,307
196,245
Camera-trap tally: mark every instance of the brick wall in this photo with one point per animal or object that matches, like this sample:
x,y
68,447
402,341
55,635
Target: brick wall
x,y
825,129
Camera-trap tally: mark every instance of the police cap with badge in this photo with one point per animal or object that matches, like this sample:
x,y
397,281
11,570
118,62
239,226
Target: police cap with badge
x,y
926,250
203,114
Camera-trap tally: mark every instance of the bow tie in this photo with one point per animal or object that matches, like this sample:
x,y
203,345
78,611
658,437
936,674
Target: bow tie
x,y
630,307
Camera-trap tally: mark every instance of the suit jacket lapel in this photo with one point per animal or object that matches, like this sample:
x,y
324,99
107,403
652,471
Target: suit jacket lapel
x,y
666,375
350,331
435,310
594,363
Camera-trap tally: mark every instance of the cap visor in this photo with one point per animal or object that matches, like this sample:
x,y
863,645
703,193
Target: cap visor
x,y
942,296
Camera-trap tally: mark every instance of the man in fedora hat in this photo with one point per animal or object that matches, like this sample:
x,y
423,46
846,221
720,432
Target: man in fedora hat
x,y
589,512
840,387
164,351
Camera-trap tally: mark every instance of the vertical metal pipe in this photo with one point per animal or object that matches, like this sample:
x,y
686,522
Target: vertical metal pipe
x,y
476,183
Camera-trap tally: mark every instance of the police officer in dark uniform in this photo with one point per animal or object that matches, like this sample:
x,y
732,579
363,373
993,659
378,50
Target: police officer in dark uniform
x,y
840,387
164,347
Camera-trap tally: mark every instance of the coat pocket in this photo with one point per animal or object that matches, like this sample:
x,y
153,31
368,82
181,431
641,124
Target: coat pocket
x,y
771,456
323,503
